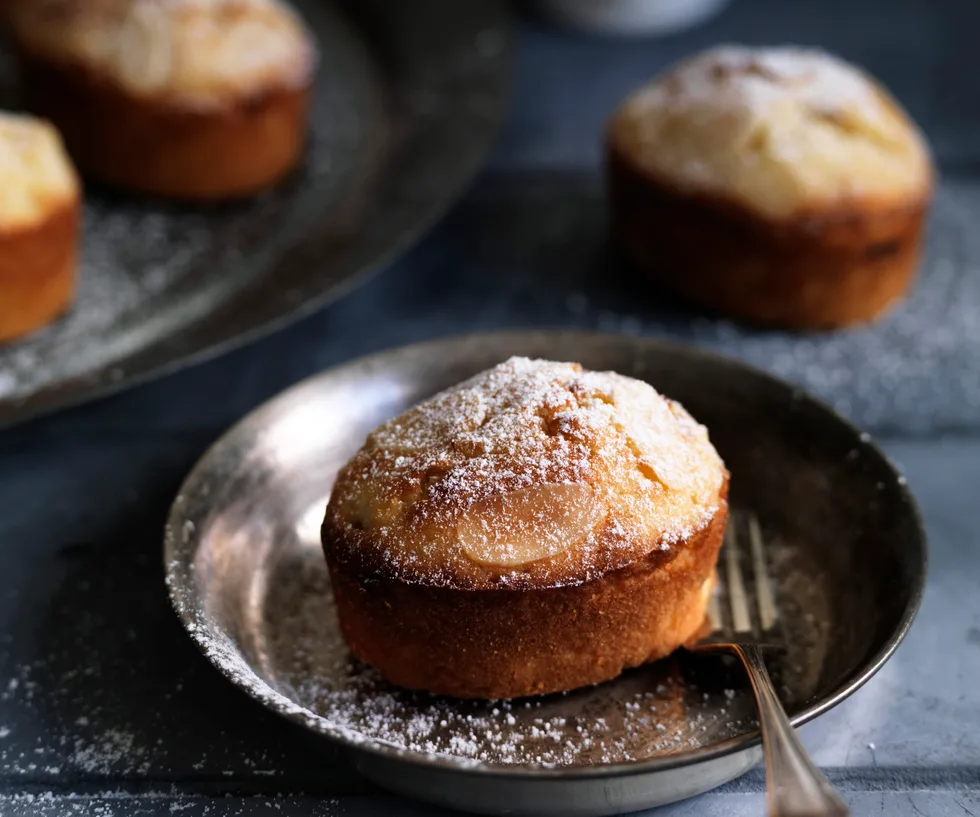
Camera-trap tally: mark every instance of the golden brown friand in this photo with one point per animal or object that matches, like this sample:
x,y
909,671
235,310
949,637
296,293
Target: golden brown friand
x,y
536,528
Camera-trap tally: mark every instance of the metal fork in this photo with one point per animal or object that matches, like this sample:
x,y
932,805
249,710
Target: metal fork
x,y
795,787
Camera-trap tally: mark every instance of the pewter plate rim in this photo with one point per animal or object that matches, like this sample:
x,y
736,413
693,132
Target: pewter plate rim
x,y
178,553
468,134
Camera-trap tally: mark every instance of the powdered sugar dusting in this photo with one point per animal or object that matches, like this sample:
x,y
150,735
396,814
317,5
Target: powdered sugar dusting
x,y
304,670
763,78
249,580
532,469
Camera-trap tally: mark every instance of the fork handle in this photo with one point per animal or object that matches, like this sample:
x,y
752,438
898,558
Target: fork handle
x,y
795,787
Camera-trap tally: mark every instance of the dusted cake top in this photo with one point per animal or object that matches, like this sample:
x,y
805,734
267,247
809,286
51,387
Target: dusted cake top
x,y
36,175
532,473
203,53
780,130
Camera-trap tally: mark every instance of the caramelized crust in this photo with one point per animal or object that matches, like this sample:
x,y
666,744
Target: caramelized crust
x,y
536,528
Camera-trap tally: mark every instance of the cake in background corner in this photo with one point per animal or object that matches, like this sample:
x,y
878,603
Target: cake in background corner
x,y
40,208
189,99
781,186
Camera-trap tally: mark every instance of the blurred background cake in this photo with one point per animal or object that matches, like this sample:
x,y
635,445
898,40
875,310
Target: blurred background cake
x,y
190,99
40,204
778,185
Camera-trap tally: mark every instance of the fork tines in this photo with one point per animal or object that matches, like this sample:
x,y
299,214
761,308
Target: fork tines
x,y
750,605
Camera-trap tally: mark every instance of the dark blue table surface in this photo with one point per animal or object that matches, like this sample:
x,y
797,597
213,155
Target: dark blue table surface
x,y
105,706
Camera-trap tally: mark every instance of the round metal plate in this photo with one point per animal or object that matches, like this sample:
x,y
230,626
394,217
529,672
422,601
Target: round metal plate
x,y
407,101
247,578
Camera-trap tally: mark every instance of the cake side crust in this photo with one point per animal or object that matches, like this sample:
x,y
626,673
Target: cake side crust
x,y
504,643
822,267
157,147
37,270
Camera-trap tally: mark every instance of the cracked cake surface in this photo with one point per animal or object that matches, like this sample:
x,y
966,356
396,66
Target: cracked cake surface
x,y
531,474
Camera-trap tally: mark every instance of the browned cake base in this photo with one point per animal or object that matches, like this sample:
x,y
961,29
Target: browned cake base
x,y
814,271
37,272
161,148
509,643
